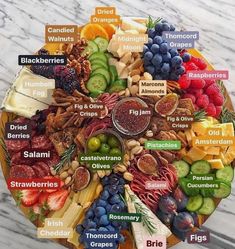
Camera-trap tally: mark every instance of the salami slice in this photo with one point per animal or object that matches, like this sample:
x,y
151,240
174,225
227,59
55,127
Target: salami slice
x,y
38,171
53,160
41,142
16,145
44,167
16,159
22,171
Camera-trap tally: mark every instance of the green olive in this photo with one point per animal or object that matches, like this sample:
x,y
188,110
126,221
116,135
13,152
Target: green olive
x,y
104,148
103,138
93,144
115,152
113,142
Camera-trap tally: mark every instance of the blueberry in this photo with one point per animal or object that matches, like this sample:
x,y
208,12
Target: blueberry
x,y
166,57
113,189
157,77
172,28
101,203
165,27
105,195
150,42
89,214
151,33
103,229
158,27
110,228
145,49
176,61
165,68
163,48
150,69
186,57
157,59
180,70
173,52
79,228
115,199
115,208
155,48
148,56
157,40
103,221
99,211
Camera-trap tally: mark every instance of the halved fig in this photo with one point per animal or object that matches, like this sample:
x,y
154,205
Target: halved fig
x,y
82,178
167,104
148,165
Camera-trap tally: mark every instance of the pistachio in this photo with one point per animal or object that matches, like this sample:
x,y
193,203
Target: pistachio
x,y
64,175
149,133
137,150
128,176
132,143
70,171
67,180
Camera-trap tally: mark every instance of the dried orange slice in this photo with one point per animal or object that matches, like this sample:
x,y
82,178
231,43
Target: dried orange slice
x,y
110,29
129,241
91,31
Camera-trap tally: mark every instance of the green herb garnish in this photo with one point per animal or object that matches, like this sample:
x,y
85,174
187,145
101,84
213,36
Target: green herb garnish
x,y
199,115
65,158
227,116
151,23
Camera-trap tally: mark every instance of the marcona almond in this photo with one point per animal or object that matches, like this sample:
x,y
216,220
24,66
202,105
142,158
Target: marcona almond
x,y
128,176
64,175
53,172
142,140
67,180
70,171
121,168
74,164
149,133
131,143
135,78
148,76
134,90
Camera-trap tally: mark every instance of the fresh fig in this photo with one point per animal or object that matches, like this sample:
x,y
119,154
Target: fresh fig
x,y
148,165
167,104
82,178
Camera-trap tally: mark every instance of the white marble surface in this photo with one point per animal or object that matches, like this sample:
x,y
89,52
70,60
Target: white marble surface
x,y
21,32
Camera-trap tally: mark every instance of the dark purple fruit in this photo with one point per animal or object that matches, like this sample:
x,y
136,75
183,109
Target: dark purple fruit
x,y
181,199
183,222
195,219
167,204
179,234
165,218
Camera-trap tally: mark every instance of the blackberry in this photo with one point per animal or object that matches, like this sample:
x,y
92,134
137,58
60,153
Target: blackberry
x,y
68,75
69,87
46,71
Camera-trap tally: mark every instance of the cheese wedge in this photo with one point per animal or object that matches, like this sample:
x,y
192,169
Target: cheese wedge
x,y
196,154
216,164
130,24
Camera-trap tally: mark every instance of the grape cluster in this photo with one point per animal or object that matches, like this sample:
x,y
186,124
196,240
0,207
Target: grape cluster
x,y
110,201
172,212
162,62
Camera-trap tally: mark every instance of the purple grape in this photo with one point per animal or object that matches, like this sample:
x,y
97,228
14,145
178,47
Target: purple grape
x,y
157,59
155,48
157,40
165,68
165,27
186,57
148,56
163,48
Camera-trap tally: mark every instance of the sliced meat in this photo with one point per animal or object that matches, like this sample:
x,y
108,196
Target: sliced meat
x,y
53,160
16,145
41,142
22,171
44,167
16,159
38,171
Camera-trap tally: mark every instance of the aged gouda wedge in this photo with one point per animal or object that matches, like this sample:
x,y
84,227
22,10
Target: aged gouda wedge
x,y
216,164
196,154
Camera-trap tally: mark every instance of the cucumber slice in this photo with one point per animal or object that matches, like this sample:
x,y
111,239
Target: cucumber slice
x,y
207,192
91,48
96,66
117,86
226,174
95,94
104,64
102,43
224,190
188,191
208,206
96,83
104,72
113,73
194,203
182,168
108,55
201,167
98,56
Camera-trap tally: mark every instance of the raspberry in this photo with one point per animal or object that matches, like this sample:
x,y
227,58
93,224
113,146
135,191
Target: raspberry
x,y
189,96
212,89
217,99
202,101
209,82
201,64
195,92
218,111
196,107
184,82
199,84
191,66
211,110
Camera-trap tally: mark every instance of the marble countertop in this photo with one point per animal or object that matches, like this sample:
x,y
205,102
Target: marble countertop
x,y
22,32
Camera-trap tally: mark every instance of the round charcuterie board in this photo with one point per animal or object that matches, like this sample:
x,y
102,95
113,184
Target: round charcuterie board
x,y
119,140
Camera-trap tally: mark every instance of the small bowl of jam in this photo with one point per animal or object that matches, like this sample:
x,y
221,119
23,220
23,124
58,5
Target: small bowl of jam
x,y
131,116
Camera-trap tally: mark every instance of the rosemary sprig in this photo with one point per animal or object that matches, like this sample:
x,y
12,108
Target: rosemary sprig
x,y
151,23
65,158
227,116
199,115
146,219
7,156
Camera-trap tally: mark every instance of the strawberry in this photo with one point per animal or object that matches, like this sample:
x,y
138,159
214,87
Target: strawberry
x,y
189,96
211,110
184,82
57,199
218,111
202,101
29,197
51,178
212,89
198,84
43,198
36,208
